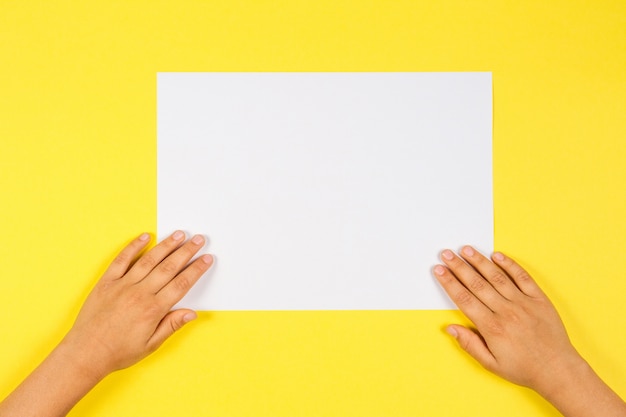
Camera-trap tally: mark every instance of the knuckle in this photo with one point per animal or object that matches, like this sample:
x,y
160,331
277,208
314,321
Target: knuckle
x,y
463,297
136,299
199,267
523,316
147,261
466,344
189,249
168,267
498,278
122,259
513,318
152,310
494,327
522,276
175,325
477,284
182,283
147,305
144,304
104,287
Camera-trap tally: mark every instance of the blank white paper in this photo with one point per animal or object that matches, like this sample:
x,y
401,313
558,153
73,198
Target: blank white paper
x,y
325,191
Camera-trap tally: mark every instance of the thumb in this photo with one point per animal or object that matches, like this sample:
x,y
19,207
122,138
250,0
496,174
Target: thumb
x,y
173,321
473,344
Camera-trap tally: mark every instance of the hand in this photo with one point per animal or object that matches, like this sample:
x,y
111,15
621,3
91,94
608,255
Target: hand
x,y
127,315
520,335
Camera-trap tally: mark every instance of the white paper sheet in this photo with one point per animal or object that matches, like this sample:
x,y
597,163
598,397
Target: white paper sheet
x,y
325,191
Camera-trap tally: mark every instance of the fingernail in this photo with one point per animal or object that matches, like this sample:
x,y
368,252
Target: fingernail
x,y
498,257
189,316
144,237
452,331
178,235
447,254
468,251
198,240
207,259
439,270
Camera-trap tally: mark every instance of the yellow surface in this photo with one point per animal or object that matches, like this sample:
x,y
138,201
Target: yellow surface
x,y
78,180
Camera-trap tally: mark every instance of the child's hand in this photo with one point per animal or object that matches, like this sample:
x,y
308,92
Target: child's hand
x,y
127,315
520,335
125,318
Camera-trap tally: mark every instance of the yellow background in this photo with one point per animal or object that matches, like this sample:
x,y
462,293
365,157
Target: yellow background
x,y
78,180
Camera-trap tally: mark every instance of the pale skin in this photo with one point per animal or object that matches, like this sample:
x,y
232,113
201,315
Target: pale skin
x,y
520,335
125,318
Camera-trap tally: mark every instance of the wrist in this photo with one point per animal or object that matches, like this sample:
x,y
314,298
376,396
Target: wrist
x,y
55,386
82,359
565,378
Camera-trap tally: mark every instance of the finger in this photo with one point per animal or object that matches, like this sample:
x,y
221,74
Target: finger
x,y
154,256
119,266
522,279
491,272
172,322
467,302
472,280
173,264
473,344
172,293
